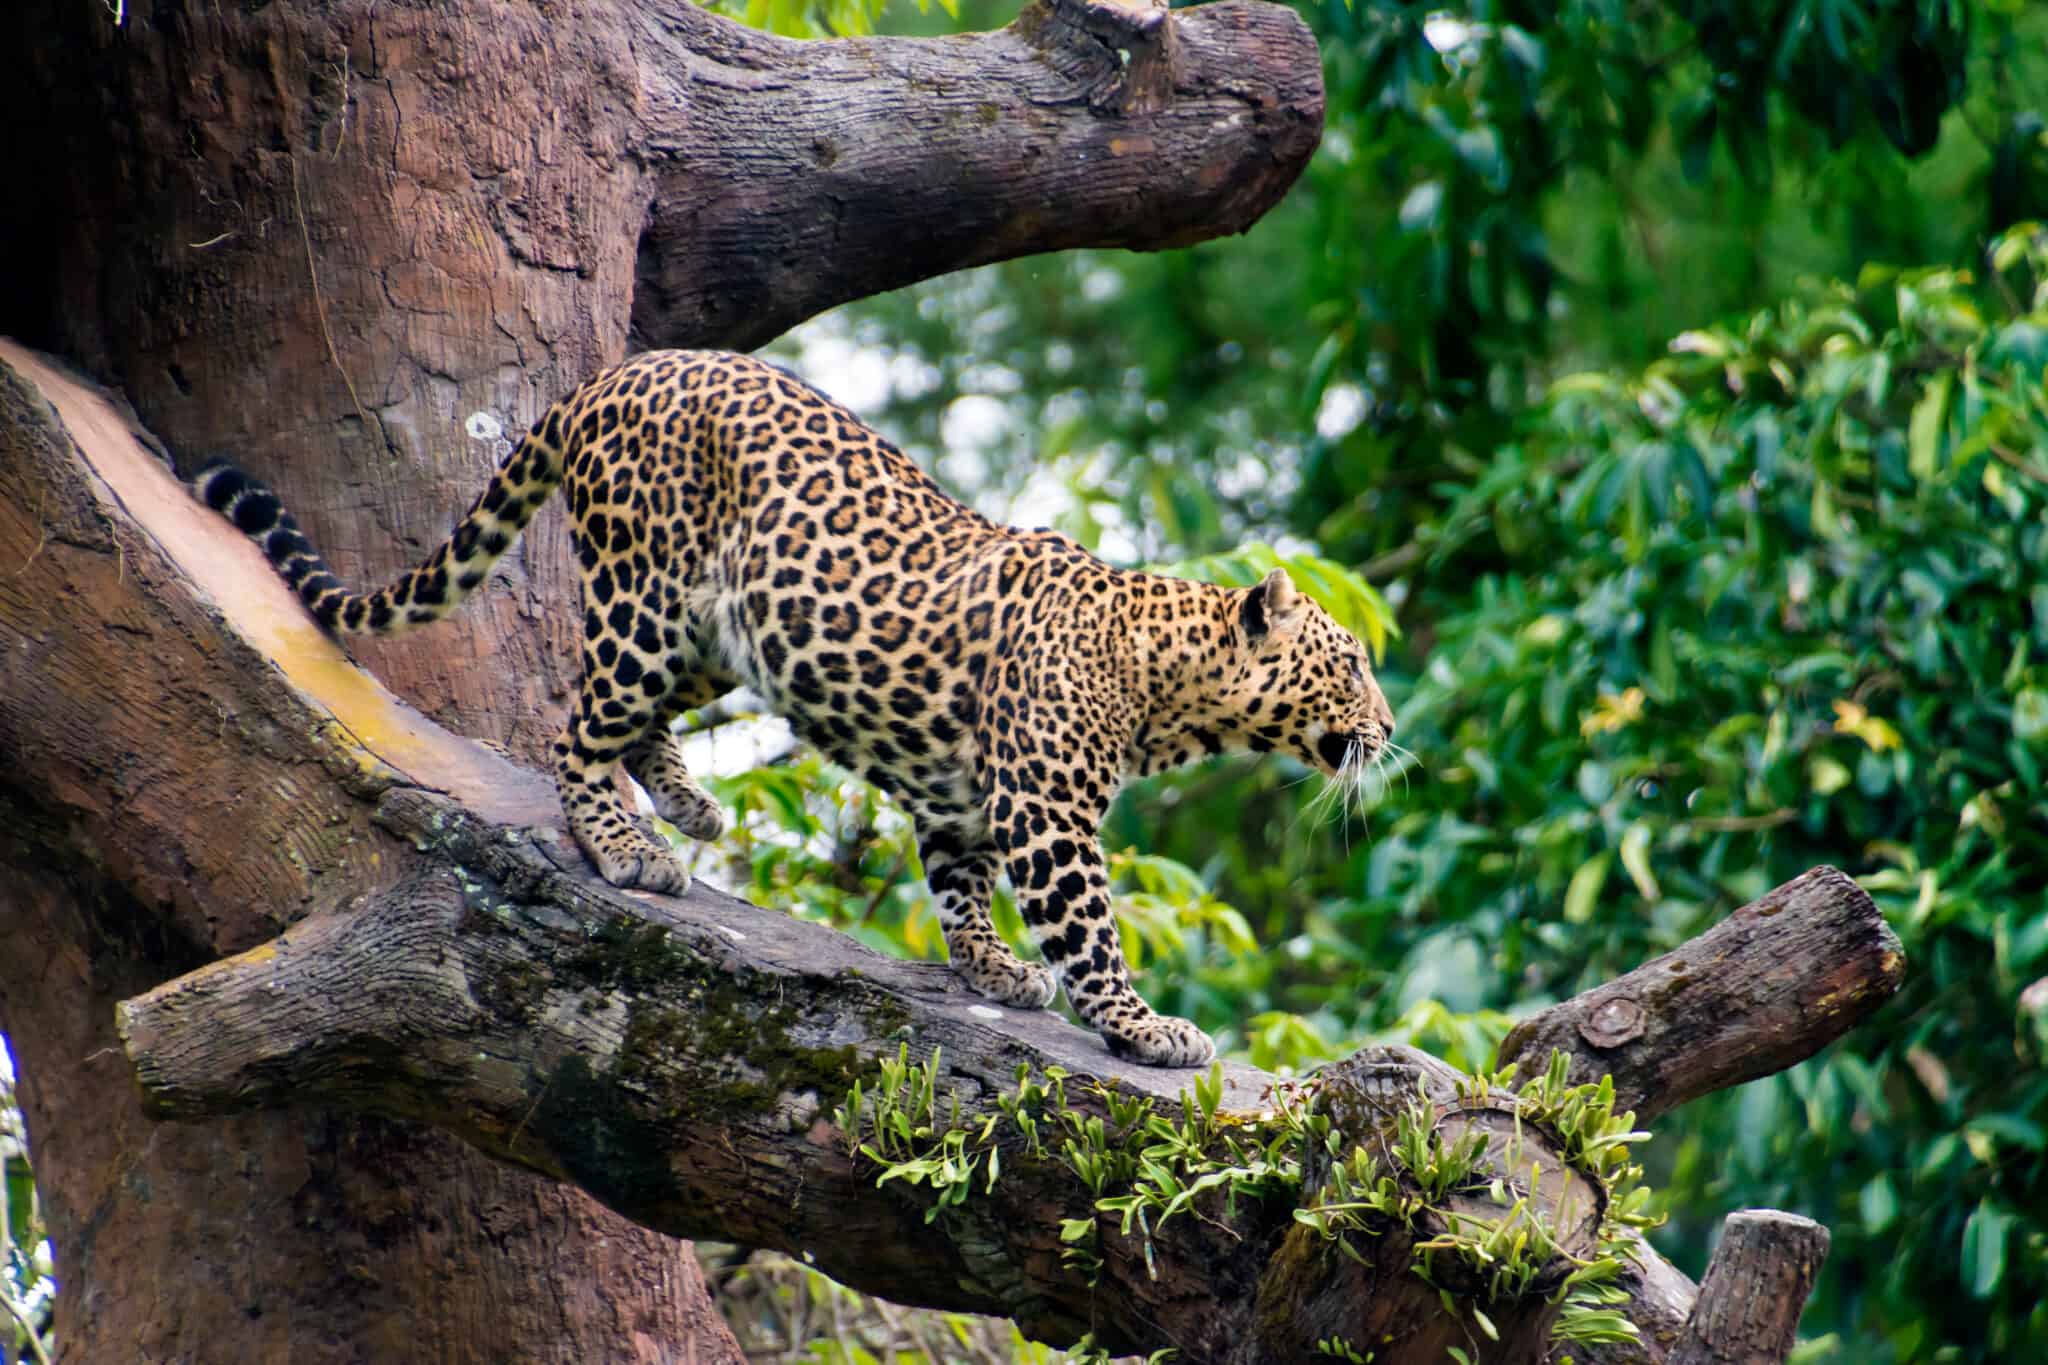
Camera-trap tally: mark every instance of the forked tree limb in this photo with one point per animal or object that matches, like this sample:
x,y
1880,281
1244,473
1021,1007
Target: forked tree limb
x,y
453,960
681,1059
850,999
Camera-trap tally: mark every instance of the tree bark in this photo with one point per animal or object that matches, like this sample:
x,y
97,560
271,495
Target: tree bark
x,y
1755,1287
317,235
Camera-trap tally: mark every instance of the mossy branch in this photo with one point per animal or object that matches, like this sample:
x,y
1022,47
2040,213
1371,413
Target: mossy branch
x,y
711,1069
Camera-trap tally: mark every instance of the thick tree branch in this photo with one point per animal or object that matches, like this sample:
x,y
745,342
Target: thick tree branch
x,y
682,1059
1084,123
1767,987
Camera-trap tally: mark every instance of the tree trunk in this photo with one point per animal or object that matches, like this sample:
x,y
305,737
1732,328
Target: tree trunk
x,y
317,236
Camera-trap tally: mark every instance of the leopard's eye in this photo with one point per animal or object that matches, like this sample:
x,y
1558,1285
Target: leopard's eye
x,y
1357,671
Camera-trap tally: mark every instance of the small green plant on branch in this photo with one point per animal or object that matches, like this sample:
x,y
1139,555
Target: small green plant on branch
x,y
1142,1168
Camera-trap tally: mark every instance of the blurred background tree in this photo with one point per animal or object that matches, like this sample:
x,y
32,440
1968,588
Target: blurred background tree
x,y
1659,385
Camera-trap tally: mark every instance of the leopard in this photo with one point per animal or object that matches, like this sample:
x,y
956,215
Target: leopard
x,y
734,527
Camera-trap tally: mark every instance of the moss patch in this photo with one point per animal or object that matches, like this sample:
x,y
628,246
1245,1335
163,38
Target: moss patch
x,y
631,953
713,1016
513,990
679,1005
603,1145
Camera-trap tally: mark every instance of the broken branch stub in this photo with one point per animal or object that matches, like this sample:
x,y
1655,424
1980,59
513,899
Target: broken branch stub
x,y
1755,1289
1142,32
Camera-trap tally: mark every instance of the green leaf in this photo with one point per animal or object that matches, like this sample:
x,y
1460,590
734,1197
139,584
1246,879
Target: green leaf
x,y
1635,856
1984,1238
1878,1204
1352,602
2030,715
1583,894
1924,431
1826,775
2012,1130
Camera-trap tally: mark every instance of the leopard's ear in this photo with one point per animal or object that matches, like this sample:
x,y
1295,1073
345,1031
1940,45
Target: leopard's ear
x,y
1273,605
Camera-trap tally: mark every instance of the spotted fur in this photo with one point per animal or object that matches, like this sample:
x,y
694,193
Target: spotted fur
x,y
735,526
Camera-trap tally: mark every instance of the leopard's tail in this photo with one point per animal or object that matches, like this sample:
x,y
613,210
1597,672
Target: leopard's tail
x,y
442,582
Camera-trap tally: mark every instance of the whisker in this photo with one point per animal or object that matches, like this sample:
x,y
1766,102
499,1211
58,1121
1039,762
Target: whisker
x,y
1350,781
1304,811
1318,805
1363,778
1372,780
1404,759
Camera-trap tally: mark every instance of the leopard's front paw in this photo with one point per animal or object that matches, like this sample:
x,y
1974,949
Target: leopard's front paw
x,y
1161,1041
1020,985
640,861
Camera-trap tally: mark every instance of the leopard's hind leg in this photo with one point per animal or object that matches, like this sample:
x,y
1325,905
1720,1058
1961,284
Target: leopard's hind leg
x,y
587,758
656,761
639,667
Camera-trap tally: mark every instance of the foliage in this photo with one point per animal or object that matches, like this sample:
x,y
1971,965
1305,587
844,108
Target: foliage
x,y
1777,601
1505,187
1141,1167
27,1287
815,18
1504,1252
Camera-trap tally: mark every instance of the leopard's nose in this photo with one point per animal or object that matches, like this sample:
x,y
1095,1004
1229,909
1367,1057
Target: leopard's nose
x,y
1382,713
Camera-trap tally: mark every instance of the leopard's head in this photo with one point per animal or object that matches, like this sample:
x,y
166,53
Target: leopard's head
x,y
1302,684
